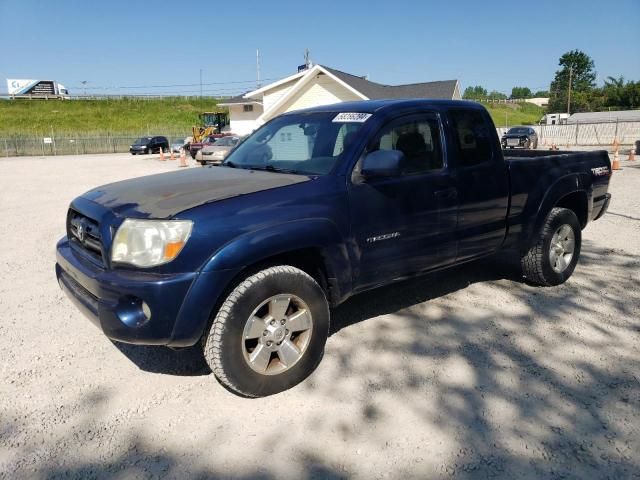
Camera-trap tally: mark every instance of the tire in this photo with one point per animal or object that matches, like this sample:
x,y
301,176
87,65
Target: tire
x,y
535,145
538,265
230,344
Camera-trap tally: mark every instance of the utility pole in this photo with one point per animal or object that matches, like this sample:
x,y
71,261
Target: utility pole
x,y
200,83
258,83
569,94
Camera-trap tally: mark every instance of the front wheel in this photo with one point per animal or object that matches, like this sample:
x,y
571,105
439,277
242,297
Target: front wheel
x,y
270,332
553,258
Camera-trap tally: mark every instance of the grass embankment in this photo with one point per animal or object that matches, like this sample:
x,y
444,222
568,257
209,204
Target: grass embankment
x,y
169,116
128,116
510,114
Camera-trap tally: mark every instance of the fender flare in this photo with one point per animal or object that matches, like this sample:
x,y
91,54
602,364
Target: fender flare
x,y
566,185
251,248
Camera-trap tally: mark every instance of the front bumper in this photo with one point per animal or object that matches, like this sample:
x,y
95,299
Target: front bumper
x,y
213,159
521,143
180,304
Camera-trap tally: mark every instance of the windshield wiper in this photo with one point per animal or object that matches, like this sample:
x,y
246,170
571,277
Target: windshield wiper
x,y
271,168
230,164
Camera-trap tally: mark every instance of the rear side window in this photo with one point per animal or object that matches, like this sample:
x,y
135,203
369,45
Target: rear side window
x,y
472,135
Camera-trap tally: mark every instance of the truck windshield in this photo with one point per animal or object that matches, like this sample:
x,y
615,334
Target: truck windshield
x,y
305,143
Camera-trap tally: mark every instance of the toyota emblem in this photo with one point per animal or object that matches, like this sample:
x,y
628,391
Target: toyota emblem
x,y
80,232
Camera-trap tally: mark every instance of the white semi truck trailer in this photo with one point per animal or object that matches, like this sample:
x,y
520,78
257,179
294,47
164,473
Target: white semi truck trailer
x,y
36,88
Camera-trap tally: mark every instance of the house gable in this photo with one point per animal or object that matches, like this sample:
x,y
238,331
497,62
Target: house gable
x,y
273,95
322,89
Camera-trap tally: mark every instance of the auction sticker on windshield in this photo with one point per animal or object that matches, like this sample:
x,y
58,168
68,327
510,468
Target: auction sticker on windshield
x,y
352,117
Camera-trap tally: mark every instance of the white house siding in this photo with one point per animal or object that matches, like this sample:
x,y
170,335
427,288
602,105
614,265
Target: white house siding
x,y
243,123
321,90
272,96
456,93
290,143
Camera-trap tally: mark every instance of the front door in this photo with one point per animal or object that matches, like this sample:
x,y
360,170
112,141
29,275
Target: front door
x,y
405,224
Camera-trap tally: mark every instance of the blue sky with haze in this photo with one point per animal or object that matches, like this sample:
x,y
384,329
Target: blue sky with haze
x,y
118,44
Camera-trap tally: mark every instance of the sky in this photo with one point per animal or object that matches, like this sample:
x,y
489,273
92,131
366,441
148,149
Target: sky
x,y
162,46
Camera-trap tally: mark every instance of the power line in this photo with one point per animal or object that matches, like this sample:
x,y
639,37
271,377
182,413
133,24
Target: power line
x,y
172,85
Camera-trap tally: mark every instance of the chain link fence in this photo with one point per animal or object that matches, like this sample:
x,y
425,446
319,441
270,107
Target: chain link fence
x,y
73,144
581,134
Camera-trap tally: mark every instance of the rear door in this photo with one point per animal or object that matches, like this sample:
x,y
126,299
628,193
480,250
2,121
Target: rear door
x,y
405,224
482,181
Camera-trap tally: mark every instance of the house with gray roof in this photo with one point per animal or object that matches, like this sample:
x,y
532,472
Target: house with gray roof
x,y
322,85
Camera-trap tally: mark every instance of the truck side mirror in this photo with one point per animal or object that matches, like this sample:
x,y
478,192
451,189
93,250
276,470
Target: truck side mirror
x,y
382,163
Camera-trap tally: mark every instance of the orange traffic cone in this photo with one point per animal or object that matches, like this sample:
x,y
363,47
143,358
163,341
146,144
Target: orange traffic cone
x,y
171,155
162,154
632,155
615,165
183,159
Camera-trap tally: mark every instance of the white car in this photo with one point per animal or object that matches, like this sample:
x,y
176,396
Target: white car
x,y
216,152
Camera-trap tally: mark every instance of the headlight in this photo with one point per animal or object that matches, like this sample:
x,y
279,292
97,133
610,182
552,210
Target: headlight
x,y
147,243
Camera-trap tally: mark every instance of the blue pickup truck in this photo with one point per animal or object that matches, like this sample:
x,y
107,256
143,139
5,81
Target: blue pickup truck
x,y
248,258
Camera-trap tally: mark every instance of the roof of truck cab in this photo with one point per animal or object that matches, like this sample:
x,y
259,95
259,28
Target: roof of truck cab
x,y
372,106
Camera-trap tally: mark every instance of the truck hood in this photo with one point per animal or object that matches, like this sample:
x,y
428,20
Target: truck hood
x,y
167,194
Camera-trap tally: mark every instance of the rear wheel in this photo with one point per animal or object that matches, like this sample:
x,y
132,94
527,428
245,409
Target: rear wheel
x,y
269,333
553,258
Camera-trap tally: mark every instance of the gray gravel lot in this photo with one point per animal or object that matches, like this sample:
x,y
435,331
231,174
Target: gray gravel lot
x,y
464,374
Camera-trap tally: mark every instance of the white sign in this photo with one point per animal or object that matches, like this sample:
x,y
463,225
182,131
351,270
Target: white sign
x,y
345,117
47,140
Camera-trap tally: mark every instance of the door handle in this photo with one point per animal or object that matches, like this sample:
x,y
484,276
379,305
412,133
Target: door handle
x,y
447,193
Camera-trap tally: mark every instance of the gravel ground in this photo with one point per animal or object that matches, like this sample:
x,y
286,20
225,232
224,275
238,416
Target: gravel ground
x,y
465,374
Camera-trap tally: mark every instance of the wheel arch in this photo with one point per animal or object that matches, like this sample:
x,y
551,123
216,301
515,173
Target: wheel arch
x,y
571,192
313,246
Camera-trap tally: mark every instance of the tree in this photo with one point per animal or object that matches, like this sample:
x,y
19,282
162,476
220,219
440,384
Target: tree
x,y
541,94
616,93
521,92
495,95
475,93
580,67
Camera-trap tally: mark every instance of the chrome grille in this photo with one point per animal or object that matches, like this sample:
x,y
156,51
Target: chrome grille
x,y
84,233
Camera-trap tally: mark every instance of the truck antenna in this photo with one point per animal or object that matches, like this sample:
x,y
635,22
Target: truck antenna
x,y
259,83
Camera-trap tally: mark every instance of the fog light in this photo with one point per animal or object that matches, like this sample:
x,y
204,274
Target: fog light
x,y
146,311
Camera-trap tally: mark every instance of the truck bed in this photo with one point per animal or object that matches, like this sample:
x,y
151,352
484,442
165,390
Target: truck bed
x,y
537,175
515,155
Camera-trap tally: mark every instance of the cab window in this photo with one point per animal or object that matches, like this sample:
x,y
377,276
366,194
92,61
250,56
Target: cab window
x,y
418,138
472,137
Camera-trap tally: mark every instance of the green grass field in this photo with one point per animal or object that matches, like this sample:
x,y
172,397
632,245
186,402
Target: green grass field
x,y
510,114
169,116
117,117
